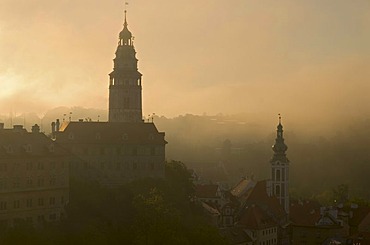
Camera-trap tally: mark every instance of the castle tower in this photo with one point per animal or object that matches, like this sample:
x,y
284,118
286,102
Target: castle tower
x,y
125,101
280,169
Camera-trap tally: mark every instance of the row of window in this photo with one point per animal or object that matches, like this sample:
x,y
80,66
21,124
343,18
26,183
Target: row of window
x,y
122,166
269,242
135,151
33,165
31,202
269,231
31,182
280,175
30,220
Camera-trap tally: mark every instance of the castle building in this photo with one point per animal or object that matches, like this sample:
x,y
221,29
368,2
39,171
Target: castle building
x,y
125,148
34,177
280,169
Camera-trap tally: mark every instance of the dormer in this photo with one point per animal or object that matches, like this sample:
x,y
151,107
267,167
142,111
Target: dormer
x,y
51,148
8,149
27,148
124,137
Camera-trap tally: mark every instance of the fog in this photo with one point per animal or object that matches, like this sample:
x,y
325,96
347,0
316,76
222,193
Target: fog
x,y
238,64
306,59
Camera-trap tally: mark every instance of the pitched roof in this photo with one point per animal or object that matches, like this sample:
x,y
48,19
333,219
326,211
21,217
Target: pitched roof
x,y
259,196
254,217
19,142
304,213
206,191
235,235
110,133
242,187
359,214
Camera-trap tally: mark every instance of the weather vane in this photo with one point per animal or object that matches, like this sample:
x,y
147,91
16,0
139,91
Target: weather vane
x,y
126,4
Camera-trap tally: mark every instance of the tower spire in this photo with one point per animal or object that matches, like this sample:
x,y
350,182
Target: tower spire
x,y
125,23
280,168
125,97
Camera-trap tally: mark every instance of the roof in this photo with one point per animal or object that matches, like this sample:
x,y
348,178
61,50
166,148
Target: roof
x,y
235,235
206,191
359,214
304,213
254,217
242,187
259,196
110,133
19,142
210,209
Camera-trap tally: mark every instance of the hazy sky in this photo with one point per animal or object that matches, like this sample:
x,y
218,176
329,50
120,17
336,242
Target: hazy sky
x,y
298,57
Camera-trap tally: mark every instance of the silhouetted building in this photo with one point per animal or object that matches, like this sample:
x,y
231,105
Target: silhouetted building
x,y
125,82
34,177
126,147
114,153
280,169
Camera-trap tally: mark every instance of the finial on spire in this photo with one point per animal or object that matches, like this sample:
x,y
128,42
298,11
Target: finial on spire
x,y
279,118
126,3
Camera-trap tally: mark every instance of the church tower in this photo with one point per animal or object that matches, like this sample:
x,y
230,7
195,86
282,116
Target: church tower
x,y
125,100
280,169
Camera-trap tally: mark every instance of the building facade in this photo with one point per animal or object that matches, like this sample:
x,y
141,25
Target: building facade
x,y
34,177
114,153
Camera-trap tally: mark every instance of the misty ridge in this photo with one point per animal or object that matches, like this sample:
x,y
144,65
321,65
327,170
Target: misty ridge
x,y
322,156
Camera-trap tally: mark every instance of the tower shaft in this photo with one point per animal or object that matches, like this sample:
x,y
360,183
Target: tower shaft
x,y
125,87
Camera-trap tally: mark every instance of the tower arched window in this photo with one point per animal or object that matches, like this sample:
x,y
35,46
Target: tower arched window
x,y
278,175
277,190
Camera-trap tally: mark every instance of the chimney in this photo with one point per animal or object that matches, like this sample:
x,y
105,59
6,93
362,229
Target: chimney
x,y
53,128
36,129
1,126
57,124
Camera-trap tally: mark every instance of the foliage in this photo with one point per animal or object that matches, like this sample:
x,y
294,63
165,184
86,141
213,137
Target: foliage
x,y
147,211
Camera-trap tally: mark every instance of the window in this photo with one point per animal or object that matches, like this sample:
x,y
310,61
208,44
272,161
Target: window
x,y
152,151
3,205
52,181
40,166
277,190
134,151
2,184
16,204
29,220
52,217
71,136
52,165
29,166
3,167
40,182
62,200
29,203
41,201
125,137
29,181
16,182
152,166
278,175
134,165
52,200
40,218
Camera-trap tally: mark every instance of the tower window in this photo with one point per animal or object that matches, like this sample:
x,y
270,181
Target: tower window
x,y
278,175
277,190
